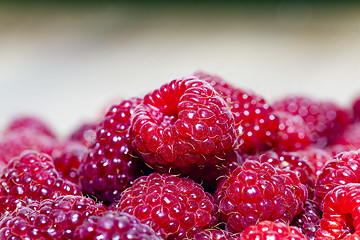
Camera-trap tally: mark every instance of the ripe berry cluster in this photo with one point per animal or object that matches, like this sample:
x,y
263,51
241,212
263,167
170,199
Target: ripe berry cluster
x,y
197,158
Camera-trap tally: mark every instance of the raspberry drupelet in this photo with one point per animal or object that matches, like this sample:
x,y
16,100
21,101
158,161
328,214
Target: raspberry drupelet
x,y
111,163
341,213
114,225
49,219
267,230
176,208
257,191
254,118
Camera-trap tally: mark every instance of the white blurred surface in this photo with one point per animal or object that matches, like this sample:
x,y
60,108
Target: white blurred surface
x,y
65,65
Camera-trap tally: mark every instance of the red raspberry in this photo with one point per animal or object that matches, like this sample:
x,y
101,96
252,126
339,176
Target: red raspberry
x,y
183,123
27,122
16,141
50,219
68,159
254,118
325,120
343,169
341,213
176,208
293,134
267,230
350,138
114,225
31,177
214,235
308,221
257,191
85,134
356,109
111,164
317,157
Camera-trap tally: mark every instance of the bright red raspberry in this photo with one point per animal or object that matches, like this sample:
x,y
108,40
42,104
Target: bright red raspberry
x,y
254,117
183,123
85,133
293,133
16,141
67,160
29,122
111,163
267,230
214,234
343,169
114,225
31,177
308,221
356,109
325,120
176,208
341,213
257,191
50,219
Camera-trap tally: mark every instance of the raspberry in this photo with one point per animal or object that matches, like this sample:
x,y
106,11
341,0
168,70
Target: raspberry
x,y
50,219
68,159
293,134
214,235
114,225
317,157
254,118
341,213
27,122
183,123
308,221
18,140
350,138
356,109
31,177
343,169
325,120
84,134
176,208
267,230
257,191
111,164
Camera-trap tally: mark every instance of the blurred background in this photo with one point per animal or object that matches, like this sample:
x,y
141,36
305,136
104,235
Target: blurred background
x,y
66,62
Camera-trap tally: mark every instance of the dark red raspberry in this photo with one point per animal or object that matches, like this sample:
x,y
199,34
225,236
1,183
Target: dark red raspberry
x,y
67,160
254,118
28,122
317,157
356,109
308,221
267,230
214,235
183,123
325,120
176,208
85,134
343,169
114,225
291,161
293,133
31,177
257,191
111,163
50,219
16,141
341,213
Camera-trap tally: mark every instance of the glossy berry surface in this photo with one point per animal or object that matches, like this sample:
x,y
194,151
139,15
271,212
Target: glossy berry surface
x,y
111,163
256,123
325,120
343,169
267,230
50,219
341,213
176,208
183,123
257,191
31,177
114,225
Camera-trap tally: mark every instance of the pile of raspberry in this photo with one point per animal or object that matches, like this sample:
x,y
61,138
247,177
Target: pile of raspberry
x,y
197,158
